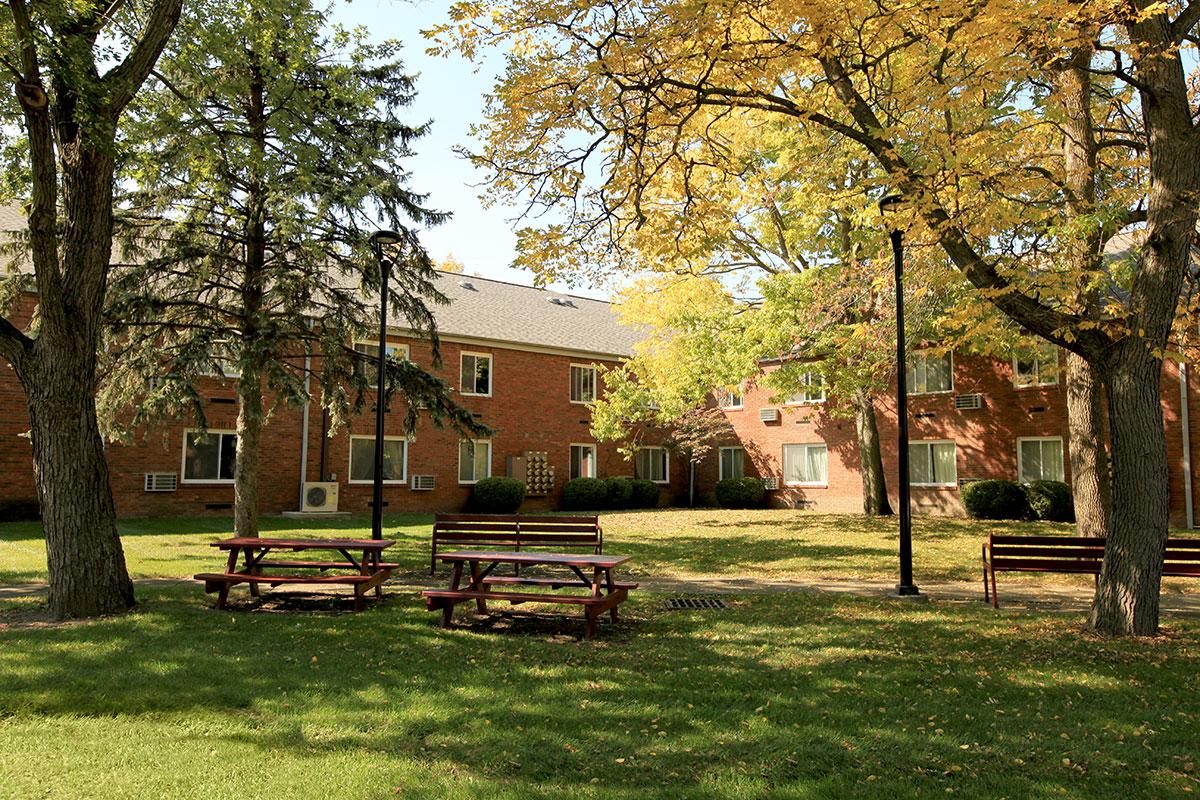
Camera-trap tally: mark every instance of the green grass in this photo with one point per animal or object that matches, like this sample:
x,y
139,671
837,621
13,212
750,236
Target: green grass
x,y
784,696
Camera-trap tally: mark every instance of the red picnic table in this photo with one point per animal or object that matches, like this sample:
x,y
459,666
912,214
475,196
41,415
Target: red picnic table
x,y
368,571
603,593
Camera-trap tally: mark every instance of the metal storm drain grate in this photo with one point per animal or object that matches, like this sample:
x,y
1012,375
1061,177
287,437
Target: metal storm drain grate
x,y
694,603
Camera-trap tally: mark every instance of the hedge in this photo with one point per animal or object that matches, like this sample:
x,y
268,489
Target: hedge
x,y
996,499
645,493
620,492
497,495
740,492
585,494
1051,501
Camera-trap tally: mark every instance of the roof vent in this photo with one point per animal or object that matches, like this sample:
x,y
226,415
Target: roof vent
x,y
468,285
558,301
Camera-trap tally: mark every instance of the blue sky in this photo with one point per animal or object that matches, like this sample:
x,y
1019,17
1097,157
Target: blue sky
x,y
450,93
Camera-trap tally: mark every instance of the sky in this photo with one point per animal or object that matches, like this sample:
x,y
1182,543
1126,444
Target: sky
x,y
450,93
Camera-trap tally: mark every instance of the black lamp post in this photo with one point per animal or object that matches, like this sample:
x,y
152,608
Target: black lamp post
x,y
905,588
380,240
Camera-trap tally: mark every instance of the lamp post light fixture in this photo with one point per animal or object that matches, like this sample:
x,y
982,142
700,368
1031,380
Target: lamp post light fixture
x,y
888,207
379,241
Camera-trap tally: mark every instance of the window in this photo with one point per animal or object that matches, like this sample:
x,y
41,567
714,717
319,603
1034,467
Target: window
x,y
805,464
1040,459
362,459
813,391
733,463
730,398
1036,365
209,457
368,354
474,460
583,461
476,374
932,464
583,383
222,362
651,463
929,373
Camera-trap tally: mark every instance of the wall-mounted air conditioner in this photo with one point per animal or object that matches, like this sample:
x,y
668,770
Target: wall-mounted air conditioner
x,y
967,402
768,414
319,496
161,481
422,483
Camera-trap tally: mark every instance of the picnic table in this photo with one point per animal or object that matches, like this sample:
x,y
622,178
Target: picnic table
x,y
367,571
586,571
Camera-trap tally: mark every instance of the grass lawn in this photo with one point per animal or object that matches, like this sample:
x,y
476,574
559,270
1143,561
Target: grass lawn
x,y
783,696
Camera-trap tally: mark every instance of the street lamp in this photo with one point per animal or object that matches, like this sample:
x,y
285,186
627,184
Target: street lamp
x,y
380,240
888,208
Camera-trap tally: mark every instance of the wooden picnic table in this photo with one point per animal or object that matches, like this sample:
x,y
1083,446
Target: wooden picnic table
x,y
603,592
368,570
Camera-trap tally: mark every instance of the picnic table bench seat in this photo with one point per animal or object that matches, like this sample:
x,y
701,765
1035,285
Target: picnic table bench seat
x,y
1078,555
515,532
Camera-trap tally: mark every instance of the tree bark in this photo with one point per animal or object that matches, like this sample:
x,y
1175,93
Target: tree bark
x,y
249,440
875,498
1091,487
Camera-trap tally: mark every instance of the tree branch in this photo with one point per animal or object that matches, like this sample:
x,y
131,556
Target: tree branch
x,y
123,80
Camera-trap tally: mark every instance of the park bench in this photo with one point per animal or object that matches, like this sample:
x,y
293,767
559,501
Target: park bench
x,y
515,532
1080,555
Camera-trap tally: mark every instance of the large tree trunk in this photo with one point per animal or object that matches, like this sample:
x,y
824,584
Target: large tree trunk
x,y
875,498
1090,484
249,439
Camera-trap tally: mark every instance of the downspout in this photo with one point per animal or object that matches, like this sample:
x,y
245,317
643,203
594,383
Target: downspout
x,y
304,420
1187,446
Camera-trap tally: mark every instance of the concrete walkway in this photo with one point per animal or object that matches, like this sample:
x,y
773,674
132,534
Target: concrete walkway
x,y
1014,595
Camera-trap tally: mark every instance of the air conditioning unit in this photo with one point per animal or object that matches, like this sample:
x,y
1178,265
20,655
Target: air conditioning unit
x,y
422,483
968,402
768,414
161,481
319,496
770,482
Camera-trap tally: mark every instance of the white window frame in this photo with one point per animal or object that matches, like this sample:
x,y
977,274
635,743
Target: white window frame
x,y
232,372
666,459
477,478
954,481
371,438
804,397
721,462
1037,358
491,372
570,455
805,445
925,354
1043,439
183,457
374,353
595,383
725,398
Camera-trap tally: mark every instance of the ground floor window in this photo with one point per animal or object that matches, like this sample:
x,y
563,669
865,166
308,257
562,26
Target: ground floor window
x,y
805,464
210,456
362,459
733,463
583,461
932,464
474,460
651,463
1040,459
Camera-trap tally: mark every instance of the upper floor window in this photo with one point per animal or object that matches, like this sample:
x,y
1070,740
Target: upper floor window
x,y
1040,459
932,464
367,356
222,363
362,459
733,463
1036,365
209,457
652,464
813,391
583,461
930,372
476,374
805,464
730,398
583,383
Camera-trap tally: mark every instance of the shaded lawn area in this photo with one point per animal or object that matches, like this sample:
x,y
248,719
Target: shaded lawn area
x,y
783,696
770,544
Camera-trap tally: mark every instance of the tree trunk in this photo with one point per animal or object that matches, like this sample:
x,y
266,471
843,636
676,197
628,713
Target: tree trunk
x,y
874,482
1126,601
1091,488
249,439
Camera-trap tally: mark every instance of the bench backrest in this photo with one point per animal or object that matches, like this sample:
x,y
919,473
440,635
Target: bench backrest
x,y
519,529
1082,553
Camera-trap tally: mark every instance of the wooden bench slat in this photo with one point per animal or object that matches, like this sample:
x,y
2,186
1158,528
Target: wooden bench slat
x,y
1004,551
551,582
241,577
518,531
285,564
518,597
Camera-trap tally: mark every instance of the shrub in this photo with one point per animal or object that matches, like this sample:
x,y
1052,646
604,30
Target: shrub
x,y
1051,501
497,495
740,492
996,499
620,492
20,511
585,494
645,493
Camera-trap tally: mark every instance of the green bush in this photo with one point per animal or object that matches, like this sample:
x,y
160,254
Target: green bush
x,y
740,492
585,494
20,511
1051,501
497,495
620,492
996,499
645,493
